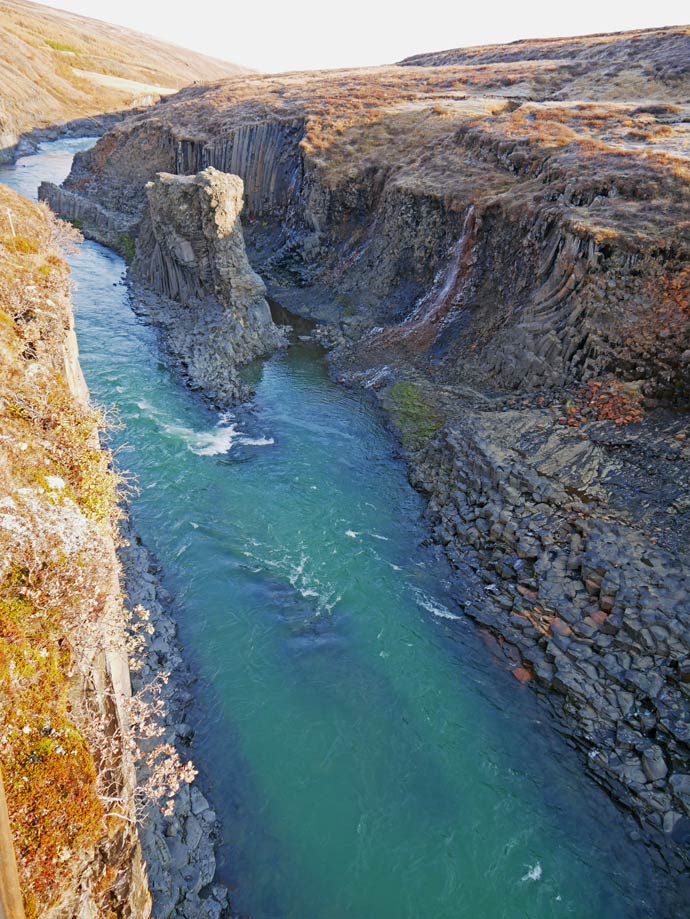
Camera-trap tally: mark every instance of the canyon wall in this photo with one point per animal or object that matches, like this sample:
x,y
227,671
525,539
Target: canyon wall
x,y
571,277
65,728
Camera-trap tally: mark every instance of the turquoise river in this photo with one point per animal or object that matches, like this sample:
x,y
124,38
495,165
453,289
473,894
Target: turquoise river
x,y
365,754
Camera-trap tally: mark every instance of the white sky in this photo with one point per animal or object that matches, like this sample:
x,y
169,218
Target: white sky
x,y
277,35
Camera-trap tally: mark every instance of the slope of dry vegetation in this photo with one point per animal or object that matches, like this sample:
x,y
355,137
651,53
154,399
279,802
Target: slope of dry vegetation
x,y
57,568
53,65
643,63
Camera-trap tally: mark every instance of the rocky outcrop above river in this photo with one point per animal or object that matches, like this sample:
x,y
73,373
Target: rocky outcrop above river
x,y
210,302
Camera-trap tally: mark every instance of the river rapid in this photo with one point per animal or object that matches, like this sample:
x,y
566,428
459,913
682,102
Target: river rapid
x,y
365,754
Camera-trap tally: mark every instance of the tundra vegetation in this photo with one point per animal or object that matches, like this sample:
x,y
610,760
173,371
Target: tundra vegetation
x,y
69,738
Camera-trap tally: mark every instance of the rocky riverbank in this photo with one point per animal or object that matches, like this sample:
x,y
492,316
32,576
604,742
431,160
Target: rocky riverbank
x,y
179,844
580,537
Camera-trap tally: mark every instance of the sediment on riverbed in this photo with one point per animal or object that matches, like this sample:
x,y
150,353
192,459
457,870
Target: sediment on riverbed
x,y
500,252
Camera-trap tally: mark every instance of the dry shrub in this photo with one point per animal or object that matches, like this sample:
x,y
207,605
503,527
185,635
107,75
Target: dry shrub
x,y
53,592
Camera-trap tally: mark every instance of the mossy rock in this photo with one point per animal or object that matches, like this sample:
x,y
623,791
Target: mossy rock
x,y
127,247
413,414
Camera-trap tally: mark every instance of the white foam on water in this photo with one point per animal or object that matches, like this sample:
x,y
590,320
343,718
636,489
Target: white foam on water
x,y
256,441
533,873
434,607
377,536
205,443
300,578
217,440
351,534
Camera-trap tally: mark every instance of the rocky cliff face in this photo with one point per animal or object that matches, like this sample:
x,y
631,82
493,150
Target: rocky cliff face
x,y
499,242
191,252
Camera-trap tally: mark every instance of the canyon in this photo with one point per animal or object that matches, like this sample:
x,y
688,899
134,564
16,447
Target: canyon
x,y
497,242
494,247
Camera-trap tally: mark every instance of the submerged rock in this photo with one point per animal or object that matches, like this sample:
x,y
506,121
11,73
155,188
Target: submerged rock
x,y
212,303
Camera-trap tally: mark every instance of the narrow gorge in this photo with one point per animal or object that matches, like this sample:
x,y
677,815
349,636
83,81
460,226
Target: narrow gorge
x,y
484,263
401,363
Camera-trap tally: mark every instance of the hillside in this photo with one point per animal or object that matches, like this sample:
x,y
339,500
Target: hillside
x,y
56,66
652,61
62,635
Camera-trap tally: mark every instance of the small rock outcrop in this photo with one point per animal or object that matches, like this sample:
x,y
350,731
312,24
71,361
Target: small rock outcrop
x,y
210,302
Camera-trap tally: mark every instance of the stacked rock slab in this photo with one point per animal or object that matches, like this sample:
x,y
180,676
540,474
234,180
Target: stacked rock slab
x,y
210,302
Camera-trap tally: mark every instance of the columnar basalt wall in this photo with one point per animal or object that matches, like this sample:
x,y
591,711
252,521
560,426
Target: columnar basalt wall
x,y
107,227
191,252
265,155
597,611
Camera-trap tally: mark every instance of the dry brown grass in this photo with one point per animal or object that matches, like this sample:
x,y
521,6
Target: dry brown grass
x,y
479,124
56,514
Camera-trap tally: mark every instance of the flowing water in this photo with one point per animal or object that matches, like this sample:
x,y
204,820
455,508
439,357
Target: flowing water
x,y
365,754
